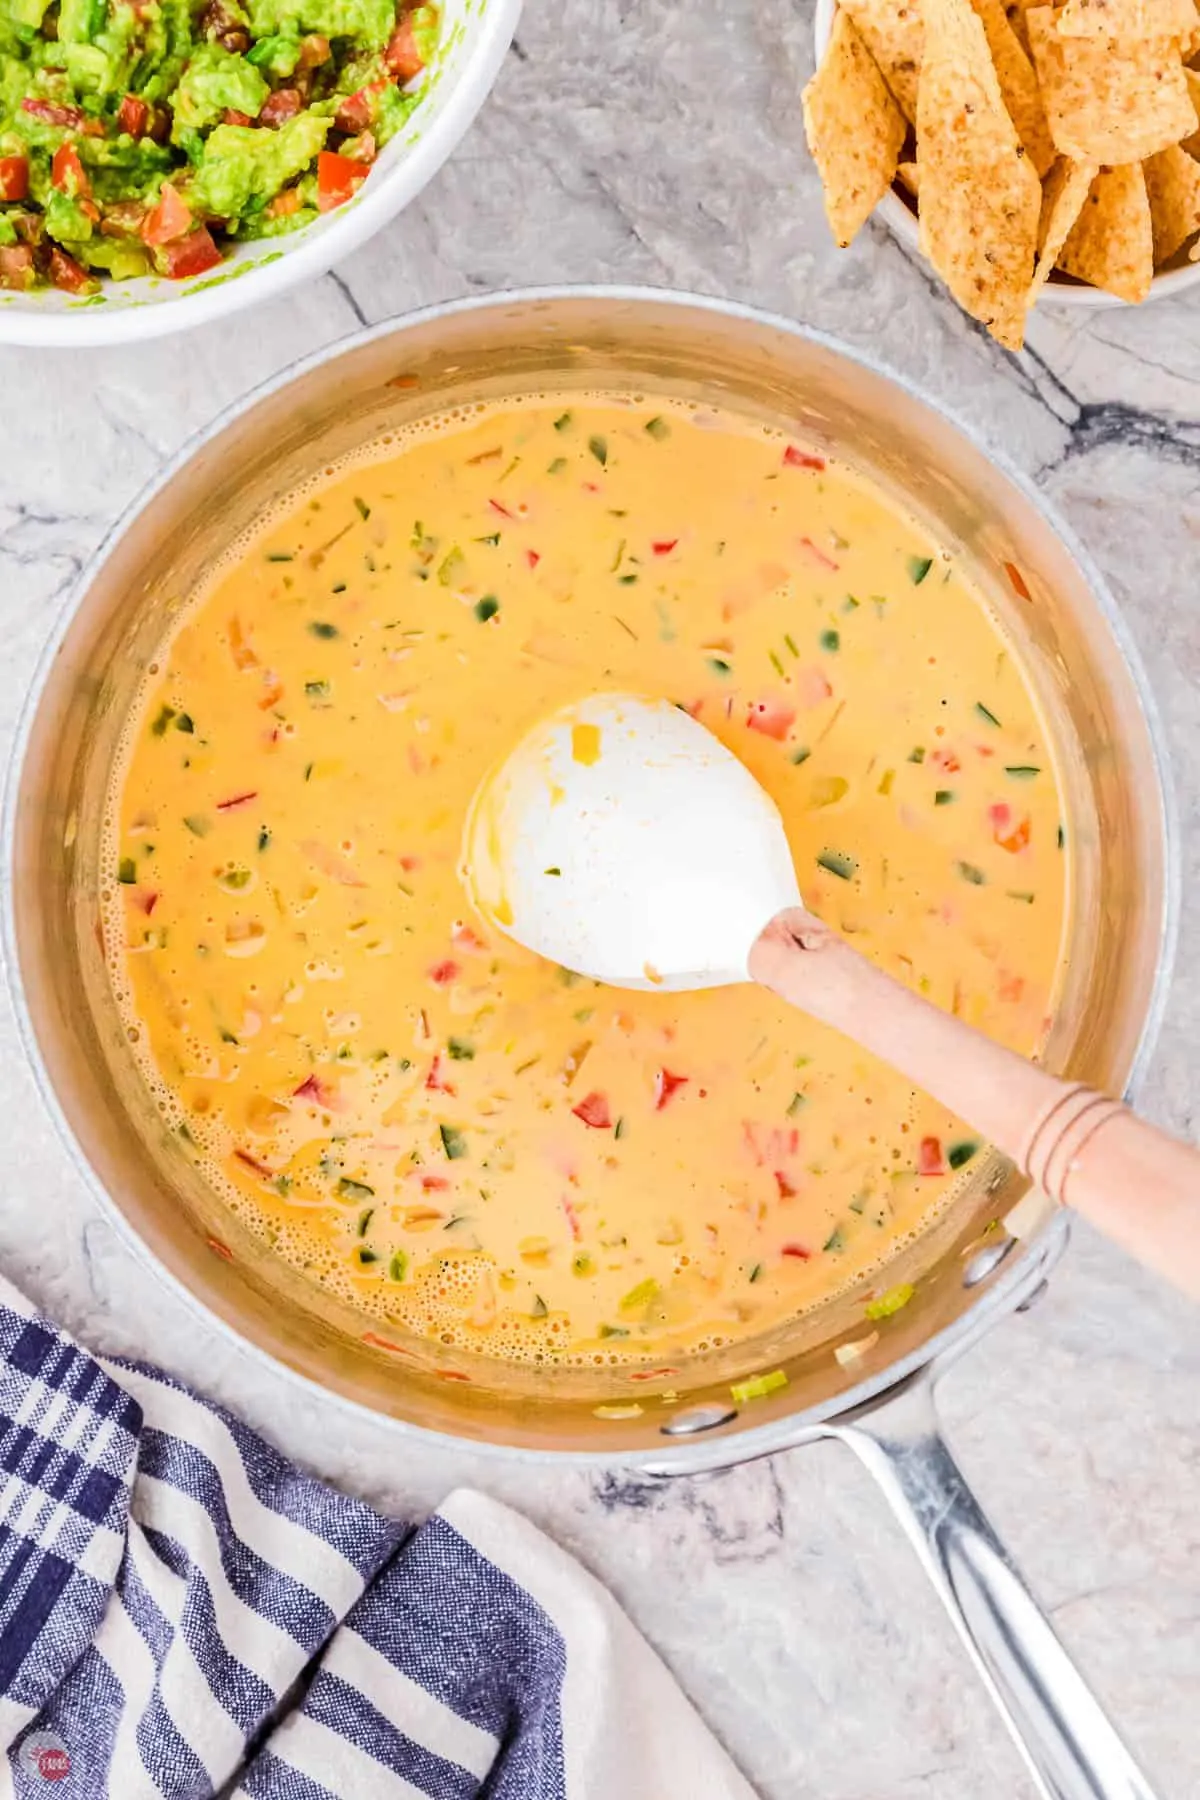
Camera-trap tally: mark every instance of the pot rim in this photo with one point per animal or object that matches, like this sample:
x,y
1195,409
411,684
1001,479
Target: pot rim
x,y
996,1298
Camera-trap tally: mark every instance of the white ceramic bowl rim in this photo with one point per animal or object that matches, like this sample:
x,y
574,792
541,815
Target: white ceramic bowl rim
x,y
486,29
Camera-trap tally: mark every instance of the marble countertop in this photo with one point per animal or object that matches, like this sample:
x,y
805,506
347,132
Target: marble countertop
x,y
652,142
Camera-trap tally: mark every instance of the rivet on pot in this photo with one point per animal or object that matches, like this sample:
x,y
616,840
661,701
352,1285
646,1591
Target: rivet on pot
x,y
698,1418
986,1261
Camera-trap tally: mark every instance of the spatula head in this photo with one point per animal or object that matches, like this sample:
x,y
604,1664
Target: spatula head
x,y
621,839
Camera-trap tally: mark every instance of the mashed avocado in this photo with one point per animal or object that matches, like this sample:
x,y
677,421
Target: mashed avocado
x,y
142,135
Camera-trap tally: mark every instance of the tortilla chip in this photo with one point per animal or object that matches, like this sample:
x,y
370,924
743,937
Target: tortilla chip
x,y
1112,242
1015,11
854,128
1109,101
1173,190
910,176
1065,191
893,33
1018,84
1127,18
980,197
1192,144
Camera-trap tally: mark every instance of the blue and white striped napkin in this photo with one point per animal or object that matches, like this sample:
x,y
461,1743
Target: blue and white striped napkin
x,y
183,1614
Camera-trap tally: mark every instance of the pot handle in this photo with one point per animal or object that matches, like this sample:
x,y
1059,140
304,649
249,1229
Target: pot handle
x,y
1070,1746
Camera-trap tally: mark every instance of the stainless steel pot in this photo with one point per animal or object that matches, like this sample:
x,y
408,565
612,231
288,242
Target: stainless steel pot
x,y
977,1262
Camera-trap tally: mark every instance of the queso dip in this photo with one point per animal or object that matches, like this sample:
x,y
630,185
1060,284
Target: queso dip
x,y
457,1137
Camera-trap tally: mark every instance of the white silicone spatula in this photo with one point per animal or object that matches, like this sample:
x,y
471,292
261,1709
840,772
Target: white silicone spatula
x,y
622,840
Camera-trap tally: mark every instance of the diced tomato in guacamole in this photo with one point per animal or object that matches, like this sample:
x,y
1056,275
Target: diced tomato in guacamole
x,y
142,138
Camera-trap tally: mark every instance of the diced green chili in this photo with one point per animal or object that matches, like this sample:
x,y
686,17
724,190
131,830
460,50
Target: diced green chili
x,y
757,1386
886,1304
454,1142
918,568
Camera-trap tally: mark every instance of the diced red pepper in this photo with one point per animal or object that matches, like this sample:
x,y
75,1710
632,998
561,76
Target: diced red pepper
x,y
785,1188
1018,581
770,1145
51,113
816,554
313,1088
461,933
279,107
1014,840
812,687
593,1110
68,173
148,902
338,177
930,1160
402,58
663,546
357,111
773,717
434,1080
1011,988
236,800
666,1084
572,1218
947,760
14,177
533,558
190,255
252,1162
382,1343
169,219
797,1252
801,459
434,1184
69,275
17,272
272,694
444,972
133,116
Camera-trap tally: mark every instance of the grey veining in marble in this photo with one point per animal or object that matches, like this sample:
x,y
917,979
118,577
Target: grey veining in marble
x,y
655,142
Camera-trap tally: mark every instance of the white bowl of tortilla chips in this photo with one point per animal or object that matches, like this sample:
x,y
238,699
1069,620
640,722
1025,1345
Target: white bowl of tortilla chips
x,y
1029,151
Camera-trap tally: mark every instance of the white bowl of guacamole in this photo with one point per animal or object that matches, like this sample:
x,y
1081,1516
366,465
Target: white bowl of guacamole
x,y
166,162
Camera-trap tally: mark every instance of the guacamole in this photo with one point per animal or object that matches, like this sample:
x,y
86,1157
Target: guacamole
x,y
142,136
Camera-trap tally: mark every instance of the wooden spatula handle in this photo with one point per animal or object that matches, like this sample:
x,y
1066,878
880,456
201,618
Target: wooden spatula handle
x,y
1135,1183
